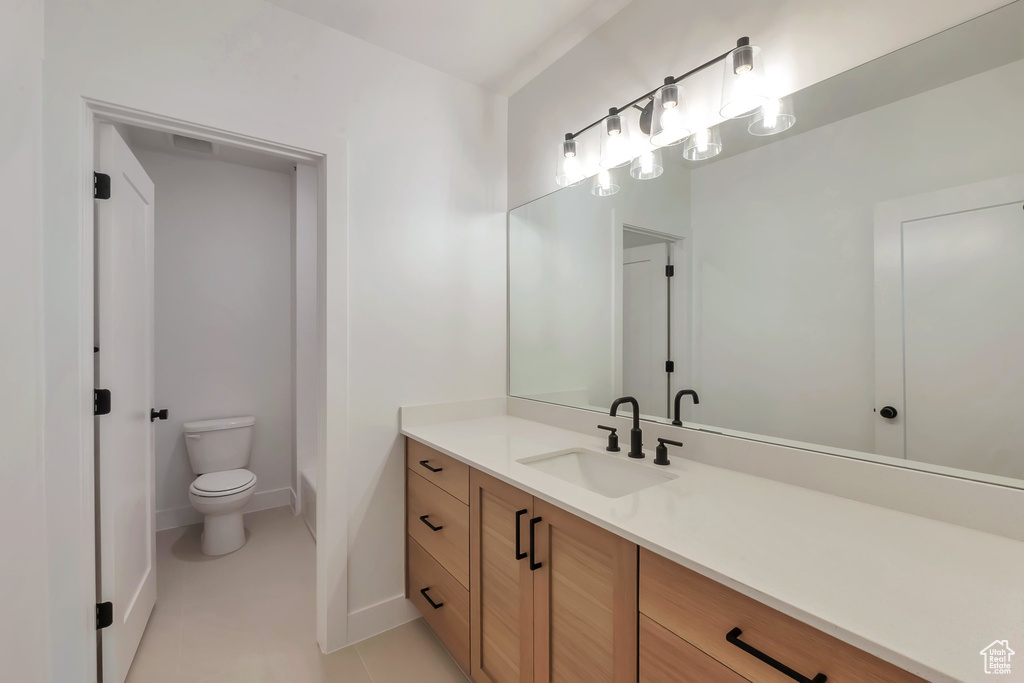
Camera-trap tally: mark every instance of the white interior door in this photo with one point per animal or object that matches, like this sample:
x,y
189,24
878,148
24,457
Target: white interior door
x,y
952,354
125,437
645,327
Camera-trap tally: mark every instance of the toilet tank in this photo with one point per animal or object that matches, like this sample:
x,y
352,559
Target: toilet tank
x,y
218,445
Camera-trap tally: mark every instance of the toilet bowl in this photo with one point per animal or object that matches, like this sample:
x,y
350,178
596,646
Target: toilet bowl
x,y
218,451
220,497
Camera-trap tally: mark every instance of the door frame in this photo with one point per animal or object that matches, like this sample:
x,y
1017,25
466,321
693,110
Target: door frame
x,y
332,394
890,217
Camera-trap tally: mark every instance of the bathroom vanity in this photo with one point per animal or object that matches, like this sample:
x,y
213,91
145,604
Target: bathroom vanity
x,y
699,574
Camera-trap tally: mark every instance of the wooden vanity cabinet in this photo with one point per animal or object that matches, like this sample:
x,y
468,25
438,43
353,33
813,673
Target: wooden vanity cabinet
x,y
501,599
578,603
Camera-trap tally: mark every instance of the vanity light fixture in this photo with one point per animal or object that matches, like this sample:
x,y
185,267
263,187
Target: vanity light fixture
x,y
668,124
664,117
604,184
647,166
743,88
615,145
570,169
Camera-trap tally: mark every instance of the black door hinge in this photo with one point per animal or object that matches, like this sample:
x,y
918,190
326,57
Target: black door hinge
x,y
100,186
670,366
670,271
100,401
104,614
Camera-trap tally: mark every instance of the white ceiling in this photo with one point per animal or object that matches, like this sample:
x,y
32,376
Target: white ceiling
x,y
497,44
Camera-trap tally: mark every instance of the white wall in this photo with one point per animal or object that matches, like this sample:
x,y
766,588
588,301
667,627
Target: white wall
x,y
783,254
413,189
804,41
223,318
24,642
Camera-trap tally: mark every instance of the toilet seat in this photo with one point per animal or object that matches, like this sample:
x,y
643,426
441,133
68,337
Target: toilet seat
x,y
220,484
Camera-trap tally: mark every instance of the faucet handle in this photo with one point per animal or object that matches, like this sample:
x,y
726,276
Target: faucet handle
x,y
613,438
661,452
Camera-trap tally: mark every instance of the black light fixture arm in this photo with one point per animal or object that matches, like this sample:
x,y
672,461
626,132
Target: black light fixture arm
x,y
742,42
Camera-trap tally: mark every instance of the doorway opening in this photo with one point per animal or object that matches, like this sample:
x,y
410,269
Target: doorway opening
x,y
208,328
648,275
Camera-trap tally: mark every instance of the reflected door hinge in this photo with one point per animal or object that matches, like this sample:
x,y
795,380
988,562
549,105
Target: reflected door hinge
x,y
100,401
670,366
670,271
104,614
100,186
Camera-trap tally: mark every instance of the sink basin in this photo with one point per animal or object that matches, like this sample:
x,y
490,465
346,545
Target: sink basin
x,y
607,475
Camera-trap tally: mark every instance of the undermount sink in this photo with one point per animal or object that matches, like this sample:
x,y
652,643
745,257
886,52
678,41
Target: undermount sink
x,y
607,475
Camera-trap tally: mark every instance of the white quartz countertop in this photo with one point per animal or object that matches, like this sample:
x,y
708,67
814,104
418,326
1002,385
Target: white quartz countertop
x,y
925,595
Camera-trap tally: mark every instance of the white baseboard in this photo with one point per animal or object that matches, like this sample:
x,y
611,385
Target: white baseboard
x,y
263,500
385,615
293,501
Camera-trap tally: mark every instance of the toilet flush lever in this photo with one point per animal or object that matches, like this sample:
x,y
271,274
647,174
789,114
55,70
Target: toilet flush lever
x,y
155,414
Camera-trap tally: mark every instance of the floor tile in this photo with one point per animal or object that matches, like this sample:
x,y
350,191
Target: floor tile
x,y
250,616
409,652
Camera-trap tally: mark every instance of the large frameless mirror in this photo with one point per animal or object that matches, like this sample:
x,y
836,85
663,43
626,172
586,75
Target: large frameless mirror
x,y
853,285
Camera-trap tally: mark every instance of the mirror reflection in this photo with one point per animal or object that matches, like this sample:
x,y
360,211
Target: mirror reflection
x,y
854,284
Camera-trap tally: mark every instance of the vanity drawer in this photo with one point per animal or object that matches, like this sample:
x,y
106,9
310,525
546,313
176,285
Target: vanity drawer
x,y
703,612
438,469
667,658
449,545
450,620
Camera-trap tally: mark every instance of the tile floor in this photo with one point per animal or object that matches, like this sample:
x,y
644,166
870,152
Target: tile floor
x,y
250,616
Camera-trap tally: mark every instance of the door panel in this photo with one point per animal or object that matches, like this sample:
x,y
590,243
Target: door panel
x,y
645,327
963,325
585,601
502,584
125,437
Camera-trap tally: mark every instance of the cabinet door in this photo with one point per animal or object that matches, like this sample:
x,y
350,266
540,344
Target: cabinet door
x,y
585,601
501,599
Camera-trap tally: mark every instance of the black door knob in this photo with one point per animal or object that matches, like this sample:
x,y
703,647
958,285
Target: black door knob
x,y
888,412
155,414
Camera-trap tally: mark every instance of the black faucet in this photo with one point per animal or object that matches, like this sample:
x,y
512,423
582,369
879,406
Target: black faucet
x,y
685,392
636,436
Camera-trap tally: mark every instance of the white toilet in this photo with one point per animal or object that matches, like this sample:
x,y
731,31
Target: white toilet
x,y
218,451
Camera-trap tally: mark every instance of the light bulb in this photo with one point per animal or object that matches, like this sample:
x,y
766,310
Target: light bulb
x,y
770,112
647,163
702,137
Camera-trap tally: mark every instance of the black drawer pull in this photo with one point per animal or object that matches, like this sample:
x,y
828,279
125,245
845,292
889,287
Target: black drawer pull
x,y
426,463
534,566
423,518
733,637
435,605
519,515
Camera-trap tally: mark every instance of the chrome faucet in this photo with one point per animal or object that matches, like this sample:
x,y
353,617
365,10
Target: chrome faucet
x,y
636,436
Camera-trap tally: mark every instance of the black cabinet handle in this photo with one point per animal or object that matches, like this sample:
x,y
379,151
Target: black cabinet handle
x,y
534,566
426,463
733,637
423,518
435,605
519,516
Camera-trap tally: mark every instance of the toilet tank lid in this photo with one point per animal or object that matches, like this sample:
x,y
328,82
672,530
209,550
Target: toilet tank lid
x,y
222,423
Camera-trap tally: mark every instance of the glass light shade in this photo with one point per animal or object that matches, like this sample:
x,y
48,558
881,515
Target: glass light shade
x,y
773,117
569,170
615,145
743,89
669,124
704,144
647,166
604,184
